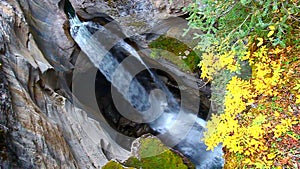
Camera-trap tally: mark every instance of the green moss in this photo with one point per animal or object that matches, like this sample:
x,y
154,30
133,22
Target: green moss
x,y
133,162
151,146
113,165
173,50
152,154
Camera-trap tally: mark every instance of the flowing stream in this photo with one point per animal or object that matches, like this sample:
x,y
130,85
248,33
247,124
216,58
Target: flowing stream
x,y
158,108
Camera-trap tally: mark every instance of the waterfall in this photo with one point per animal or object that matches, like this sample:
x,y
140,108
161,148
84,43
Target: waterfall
x,y
107,64
154,105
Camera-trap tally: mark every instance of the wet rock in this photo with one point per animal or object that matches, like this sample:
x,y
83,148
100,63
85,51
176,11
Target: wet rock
x,y
43,126
171,8
134,16
46,22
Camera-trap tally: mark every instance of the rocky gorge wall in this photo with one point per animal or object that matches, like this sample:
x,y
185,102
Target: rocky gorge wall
x,y
40,126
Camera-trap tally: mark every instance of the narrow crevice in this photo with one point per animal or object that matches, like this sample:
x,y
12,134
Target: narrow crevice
x,y
67,7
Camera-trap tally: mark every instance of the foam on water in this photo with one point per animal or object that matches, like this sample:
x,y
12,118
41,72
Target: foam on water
x,y
157,103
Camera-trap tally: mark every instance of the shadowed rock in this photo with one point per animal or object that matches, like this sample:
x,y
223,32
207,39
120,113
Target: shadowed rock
x,y
43,127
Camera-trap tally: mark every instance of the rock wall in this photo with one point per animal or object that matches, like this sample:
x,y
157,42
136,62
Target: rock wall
x,y
135,16
40,127
171,7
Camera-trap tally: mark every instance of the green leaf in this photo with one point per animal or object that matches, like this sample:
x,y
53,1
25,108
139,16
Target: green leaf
x,y
245,2
275,7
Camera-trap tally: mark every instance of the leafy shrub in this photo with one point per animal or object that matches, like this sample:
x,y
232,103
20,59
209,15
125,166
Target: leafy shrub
x,y
260,117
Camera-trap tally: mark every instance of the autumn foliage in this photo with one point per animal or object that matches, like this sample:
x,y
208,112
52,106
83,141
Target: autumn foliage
x,y
259,124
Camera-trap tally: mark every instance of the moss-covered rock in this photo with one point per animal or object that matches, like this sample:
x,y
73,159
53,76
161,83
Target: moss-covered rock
x,y
148,153
115,165
176,52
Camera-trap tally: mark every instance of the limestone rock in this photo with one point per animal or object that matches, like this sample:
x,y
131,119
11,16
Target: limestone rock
x,y
41,125
134,16
171,8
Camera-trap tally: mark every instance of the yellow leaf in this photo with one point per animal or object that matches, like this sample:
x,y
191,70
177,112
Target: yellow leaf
x,y
247,161
270,34
298,99
272,28
261,41
271,156
292,136
276,114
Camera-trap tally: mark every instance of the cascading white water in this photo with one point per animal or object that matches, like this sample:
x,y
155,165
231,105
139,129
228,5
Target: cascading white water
x,y
107,64
101,58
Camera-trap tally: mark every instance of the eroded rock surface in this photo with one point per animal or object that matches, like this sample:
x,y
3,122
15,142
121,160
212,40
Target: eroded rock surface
x,y
40,127
135,16
171,7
